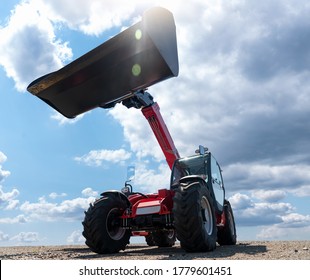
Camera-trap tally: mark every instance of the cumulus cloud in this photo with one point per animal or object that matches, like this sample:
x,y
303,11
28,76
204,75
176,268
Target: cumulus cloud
x,y
3,236
3,173
63,120
240,201
91,17
5,196
26,237
276,220
273,232
296,220
276,178
269,195
54,195
12,204
98,157
294,226
29,47
3,157
89,192
68,210
7,199
20,219
302,191
248,212
76,237
151,179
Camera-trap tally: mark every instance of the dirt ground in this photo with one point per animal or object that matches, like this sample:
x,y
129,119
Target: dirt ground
x,y
246,250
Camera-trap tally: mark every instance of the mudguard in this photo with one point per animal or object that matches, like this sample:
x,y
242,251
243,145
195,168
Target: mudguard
x,y
191,178
140,56
116,193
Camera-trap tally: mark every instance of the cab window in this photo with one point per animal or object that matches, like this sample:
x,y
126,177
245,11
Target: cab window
x,y
216,172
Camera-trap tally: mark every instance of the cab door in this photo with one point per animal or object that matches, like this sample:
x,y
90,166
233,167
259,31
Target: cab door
x,y
217,183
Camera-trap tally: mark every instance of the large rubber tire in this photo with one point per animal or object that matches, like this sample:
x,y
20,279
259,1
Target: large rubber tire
x,y
102,229
227,234
194,217
161,238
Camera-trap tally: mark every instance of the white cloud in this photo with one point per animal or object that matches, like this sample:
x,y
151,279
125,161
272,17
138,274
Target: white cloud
x,y
240,201
26,237
294,226
98,157
136,132
247,212
54,195
8,195
3,236
89,192
3,173
91,17
63,120
269,195
20,219
251,176
273,232
3,157
302,191
296,220
29,47
151,180
7,199
76,237
69,210
12,204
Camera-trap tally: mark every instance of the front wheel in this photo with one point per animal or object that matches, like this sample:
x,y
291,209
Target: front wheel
x,y
194,217
102,226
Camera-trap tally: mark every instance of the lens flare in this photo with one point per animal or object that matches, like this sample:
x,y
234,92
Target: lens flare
x,y
136,70
138,34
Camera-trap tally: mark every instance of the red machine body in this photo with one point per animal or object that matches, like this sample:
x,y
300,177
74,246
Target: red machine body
x,y
119,71
160,203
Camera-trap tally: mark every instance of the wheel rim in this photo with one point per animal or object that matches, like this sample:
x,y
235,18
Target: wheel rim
x,y
113,225
207,216
171,234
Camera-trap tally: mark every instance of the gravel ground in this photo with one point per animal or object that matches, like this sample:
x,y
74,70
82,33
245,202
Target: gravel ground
x,y
246,250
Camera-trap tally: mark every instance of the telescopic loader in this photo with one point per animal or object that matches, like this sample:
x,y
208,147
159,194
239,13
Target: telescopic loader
x,y
194,209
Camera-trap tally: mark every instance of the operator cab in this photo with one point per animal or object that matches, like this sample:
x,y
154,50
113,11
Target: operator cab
x,y
204,166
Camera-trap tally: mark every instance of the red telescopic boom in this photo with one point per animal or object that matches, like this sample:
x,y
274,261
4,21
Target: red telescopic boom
x,y
161,132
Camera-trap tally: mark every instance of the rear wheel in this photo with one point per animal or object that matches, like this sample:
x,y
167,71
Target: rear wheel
x,y
161,238
227,234
194,217
102,226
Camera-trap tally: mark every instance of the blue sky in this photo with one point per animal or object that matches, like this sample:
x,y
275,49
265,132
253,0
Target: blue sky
x,y
242,91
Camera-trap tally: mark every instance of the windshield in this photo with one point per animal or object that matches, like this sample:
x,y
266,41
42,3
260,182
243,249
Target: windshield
x,y
189,166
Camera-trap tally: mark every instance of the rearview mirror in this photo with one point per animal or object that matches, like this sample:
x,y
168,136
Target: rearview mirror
x,y
130,173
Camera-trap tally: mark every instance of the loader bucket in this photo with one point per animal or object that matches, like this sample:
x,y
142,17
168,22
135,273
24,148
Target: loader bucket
x,y
140,56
